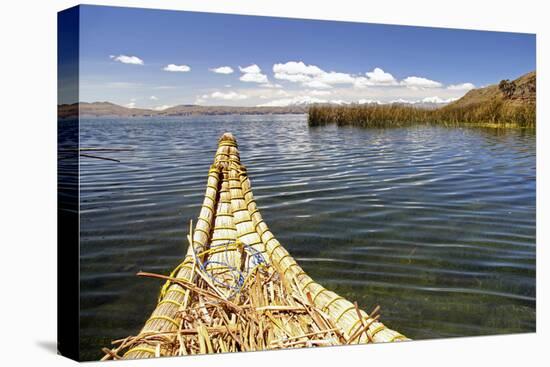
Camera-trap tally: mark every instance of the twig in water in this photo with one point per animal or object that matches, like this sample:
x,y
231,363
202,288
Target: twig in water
x,y
95,156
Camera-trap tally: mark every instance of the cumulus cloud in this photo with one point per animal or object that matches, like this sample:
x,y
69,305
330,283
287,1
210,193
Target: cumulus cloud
x,y
229,96
254,78
153,98
252,69
223,70
271,85
317,84
310,76
377,77
177,68
313,77
130,105
296,78
295,68
320,92
419,82
462,86
299,100
332,78
127,59
296,71
380,77
253,74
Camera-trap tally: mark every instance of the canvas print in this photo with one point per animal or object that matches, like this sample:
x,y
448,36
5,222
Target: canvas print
x,y
231,183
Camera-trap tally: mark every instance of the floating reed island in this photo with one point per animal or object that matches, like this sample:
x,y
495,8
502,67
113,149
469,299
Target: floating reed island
x,y
508,104
238,289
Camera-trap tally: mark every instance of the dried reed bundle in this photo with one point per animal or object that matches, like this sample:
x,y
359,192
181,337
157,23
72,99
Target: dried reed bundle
x,y
238,289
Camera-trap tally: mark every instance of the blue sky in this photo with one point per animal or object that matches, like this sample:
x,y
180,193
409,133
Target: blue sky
x,y
157,58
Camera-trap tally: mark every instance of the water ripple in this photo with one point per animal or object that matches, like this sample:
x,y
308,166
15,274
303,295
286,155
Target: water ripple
x,y
436,225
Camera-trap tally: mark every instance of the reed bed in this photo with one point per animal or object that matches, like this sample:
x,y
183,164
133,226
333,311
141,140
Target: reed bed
x,y
238,289
496,113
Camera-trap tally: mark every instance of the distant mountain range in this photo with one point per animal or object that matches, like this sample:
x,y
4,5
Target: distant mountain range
x,y
518,92
108,109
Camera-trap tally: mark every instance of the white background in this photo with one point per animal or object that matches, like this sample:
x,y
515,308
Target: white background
x,y
28,179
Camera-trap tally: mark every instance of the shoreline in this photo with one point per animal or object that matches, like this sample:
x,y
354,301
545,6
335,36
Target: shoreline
x,y
489,125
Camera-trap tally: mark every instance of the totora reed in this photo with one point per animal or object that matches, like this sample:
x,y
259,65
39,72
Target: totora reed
x,y
238,289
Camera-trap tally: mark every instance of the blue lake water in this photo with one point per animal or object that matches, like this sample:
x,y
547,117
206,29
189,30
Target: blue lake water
x,y
435,225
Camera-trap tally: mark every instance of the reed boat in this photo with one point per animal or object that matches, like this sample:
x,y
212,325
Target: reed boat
x,y
239,289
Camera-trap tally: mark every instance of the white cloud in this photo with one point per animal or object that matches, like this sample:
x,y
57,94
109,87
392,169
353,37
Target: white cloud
x,y
462,86
177,68
299,100
153,98
127,59
377,77
253,74
296,71
130,105
380,77
251,69
223,70
229,96
254,78
295,68
316,84
271,86
419,82
333,77
296,78
320,92
310,76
